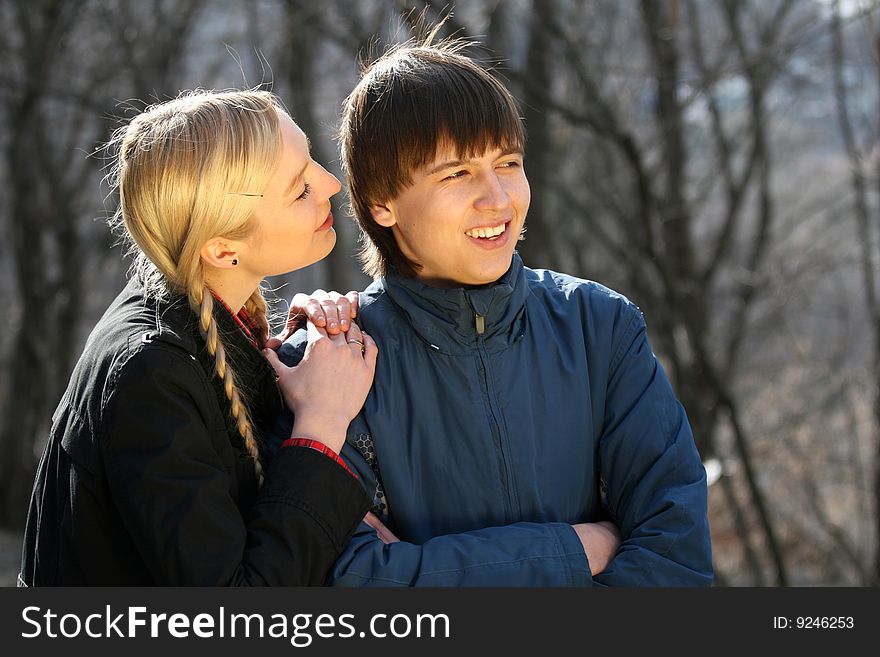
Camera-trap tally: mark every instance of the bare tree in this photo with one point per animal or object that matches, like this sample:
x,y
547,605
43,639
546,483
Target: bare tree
x,y
677,221
57,97
858,155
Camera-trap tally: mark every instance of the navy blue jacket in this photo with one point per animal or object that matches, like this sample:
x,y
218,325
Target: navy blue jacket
x,y
502,415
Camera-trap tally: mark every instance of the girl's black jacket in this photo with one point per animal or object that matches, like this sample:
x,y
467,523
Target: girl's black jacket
x,y
145,479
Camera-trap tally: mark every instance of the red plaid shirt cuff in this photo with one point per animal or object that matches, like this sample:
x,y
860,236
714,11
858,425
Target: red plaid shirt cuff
x,y
320,447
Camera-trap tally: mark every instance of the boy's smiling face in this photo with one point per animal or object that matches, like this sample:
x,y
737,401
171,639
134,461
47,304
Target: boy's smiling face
x,y
461,217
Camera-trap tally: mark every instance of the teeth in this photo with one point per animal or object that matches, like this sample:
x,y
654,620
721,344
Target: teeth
x,y
486,232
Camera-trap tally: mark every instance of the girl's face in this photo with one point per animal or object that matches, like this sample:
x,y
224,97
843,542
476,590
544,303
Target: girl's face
x,y
294,225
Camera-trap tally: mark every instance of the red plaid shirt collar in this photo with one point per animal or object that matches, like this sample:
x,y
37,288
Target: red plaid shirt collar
x,y
244,321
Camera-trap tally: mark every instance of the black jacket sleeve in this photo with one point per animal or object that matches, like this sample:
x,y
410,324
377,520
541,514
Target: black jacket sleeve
x,y
162,444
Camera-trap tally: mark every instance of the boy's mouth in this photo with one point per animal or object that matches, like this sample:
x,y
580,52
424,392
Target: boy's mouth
x,y
490,233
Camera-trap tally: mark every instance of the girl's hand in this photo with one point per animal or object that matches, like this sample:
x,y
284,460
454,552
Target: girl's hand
x,y
330,311
384,534
329,386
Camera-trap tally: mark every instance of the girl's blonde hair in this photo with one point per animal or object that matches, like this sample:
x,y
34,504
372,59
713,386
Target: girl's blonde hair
x,y
187,170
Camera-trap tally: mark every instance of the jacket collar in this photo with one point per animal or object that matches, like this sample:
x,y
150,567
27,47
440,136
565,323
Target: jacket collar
x,y
449,319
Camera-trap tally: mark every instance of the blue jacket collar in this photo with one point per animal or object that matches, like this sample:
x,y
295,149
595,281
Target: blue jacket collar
x,y
449,319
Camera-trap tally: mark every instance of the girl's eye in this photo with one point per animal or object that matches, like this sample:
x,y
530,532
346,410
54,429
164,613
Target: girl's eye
x,y
512,164
307,189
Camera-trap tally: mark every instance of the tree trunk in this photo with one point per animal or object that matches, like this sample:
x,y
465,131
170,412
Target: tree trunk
x,y
26,394
537,249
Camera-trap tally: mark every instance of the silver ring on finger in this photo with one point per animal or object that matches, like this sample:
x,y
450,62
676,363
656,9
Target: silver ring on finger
x,y
363,348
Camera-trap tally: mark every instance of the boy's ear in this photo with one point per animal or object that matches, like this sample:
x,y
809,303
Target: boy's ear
x,y
383,215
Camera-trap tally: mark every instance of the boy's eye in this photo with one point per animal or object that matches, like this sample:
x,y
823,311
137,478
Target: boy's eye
x,y
307,188
457,174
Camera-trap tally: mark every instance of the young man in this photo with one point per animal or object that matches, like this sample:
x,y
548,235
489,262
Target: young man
x,y
515,412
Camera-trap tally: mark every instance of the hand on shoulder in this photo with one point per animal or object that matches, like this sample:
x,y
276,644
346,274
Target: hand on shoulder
x,y
329,386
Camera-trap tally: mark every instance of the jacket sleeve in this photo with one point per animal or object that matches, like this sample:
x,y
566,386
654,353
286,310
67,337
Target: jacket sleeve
x,y
522,554
653,479
173,490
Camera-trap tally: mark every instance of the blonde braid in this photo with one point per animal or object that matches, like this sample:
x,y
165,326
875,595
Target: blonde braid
x,y
181,169
202,302
257,308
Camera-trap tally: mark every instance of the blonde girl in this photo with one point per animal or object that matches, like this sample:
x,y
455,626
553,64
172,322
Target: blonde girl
x,y
155,470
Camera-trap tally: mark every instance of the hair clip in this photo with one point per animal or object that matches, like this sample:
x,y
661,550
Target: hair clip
x,y
245,194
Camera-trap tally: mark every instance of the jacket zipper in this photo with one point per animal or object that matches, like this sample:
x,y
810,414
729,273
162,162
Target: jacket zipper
x,y
507,475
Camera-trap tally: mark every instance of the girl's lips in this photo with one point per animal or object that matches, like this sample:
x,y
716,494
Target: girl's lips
x,y
328,223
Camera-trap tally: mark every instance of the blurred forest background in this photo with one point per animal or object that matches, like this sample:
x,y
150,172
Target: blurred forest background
x,y
716,161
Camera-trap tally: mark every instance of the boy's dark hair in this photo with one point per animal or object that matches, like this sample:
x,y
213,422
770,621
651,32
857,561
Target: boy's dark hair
x,y
408,102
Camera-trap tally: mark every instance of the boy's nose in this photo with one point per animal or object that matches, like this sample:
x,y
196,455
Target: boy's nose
x,y
493,195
